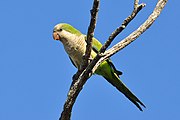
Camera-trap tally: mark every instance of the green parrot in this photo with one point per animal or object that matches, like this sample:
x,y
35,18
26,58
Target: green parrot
x,y
74,43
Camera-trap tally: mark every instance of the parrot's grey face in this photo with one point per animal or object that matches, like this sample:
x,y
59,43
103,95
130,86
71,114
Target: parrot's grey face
x,y
65,33
57,32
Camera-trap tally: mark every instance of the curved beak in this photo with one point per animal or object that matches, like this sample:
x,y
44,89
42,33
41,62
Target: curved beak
x,y
56,36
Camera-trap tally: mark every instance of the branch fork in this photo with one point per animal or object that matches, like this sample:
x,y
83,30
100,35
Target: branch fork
x,y
80,78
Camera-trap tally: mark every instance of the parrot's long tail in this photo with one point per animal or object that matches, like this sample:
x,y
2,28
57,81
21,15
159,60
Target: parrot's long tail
x,y
116,82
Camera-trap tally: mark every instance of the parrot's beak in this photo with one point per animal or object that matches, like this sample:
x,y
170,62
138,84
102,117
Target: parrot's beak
x,y
56,36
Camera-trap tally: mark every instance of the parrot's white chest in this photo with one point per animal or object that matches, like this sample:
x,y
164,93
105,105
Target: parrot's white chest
x,y
75,47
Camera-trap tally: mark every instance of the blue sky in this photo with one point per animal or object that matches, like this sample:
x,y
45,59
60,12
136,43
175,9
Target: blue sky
x,y
35,71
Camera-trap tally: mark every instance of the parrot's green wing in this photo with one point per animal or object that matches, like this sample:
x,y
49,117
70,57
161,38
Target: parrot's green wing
x,y
96,46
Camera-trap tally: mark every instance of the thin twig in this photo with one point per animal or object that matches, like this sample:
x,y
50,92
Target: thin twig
x,y
136,3
137,8
90,33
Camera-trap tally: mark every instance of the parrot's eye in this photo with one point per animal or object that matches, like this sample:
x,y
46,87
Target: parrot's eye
x,y
60,29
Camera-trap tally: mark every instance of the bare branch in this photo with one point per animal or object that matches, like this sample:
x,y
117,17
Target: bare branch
x,y
78,85
136,3
75,87
90,33
158,9
122,27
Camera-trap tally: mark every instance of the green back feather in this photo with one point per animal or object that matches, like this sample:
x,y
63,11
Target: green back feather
x,y
96,44
70,29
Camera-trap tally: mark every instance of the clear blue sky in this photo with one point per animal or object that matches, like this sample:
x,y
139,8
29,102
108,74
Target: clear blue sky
x,y
35,71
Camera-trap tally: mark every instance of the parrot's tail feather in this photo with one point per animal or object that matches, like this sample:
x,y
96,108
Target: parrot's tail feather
x,y
116,82
136,102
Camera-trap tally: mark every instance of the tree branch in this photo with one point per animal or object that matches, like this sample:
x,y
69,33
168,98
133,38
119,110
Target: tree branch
x,y
119,46
136,3
75,87
101,56
90,33
137,8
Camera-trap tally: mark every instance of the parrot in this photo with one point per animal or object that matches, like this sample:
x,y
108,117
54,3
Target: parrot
x,y
74,43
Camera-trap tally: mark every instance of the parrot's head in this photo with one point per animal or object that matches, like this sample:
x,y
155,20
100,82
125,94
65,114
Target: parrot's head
x,y
64,31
